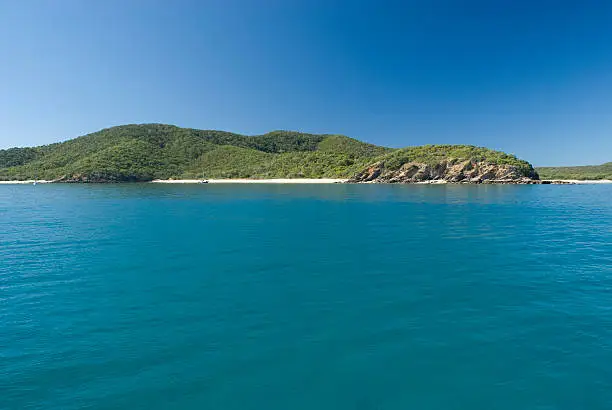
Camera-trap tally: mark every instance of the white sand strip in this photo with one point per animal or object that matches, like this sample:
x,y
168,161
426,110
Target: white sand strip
x,y
586,181
24,182
252,181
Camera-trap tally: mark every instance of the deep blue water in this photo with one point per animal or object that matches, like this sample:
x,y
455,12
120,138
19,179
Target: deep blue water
x,y
305,297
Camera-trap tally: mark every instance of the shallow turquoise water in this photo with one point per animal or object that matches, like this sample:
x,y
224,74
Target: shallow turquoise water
x,y
305,297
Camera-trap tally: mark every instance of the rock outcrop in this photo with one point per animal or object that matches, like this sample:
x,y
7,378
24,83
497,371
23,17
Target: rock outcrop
x,y
101,177
454,171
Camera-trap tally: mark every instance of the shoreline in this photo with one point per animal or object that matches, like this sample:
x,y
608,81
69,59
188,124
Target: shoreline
x,y
579,181
304,181
252,181
340,181
27,181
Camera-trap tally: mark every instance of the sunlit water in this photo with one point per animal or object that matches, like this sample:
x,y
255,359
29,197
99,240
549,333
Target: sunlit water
x,y
305,297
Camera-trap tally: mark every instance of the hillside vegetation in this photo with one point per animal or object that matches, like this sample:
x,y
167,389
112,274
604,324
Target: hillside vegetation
x,y
156,151
449,163
432,154
589,172
152,151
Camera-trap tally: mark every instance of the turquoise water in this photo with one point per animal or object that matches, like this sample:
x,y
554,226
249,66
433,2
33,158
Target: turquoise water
x,y
305,297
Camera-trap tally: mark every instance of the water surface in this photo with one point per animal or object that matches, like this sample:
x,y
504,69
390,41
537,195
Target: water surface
x,y
305,297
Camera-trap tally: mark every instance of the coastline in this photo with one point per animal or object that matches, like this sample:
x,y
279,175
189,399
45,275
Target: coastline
x,y
306,181
579,181
252,181
28,181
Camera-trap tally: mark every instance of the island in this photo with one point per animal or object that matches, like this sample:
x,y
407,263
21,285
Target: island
x,y
148,152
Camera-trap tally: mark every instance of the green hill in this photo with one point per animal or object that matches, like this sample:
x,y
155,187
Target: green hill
x,y
589,172
433,154
450,163
156,151
149,151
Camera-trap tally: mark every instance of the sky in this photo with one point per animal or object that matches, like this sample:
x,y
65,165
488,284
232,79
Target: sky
x,y
533,78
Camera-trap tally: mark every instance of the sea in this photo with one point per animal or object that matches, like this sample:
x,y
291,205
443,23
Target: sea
x,y
287,296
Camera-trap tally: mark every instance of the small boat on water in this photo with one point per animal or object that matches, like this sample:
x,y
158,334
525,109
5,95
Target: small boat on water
x,y
203,181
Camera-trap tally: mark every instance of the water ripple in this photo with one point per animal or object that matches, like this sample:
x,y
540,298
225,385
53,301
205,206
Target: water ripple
x,y
301,297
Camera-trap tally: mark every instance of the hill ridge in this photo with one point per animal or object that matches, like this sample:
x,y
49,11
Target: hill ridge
x,y
143,152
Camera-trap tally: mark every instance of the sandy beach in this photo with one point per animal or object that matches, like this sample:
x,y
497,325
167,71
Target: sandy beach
x,y
578,181
252,181
31,181
290,181
329,181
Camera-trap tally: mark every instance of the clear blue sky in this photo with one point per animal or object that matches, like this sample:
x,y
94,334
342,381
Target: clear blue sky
x,y
529,77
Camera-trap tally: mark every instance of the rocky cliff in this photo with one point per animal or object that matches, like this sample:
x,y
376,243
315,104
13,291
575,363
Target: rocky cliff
x,y
450,170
